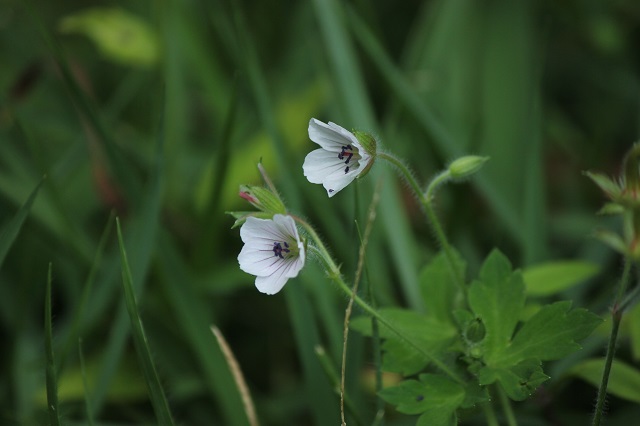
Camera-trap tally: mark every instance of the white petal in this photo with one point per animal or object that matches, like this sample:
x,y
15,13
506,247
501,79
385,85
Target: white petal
x,y
338,181
287,225
266,229
329,136
257,256
259,260
271,284
318,164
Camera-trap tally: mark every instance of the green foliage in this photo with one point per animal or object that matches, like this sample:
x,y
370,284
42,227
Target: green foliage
x,y
550,278
435,397
120,35
81,93
490,339
424,331
156,392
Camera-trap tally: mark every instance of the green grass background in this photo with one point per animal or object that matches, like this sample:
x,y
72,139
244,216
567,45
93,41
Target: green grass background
x,y
158,111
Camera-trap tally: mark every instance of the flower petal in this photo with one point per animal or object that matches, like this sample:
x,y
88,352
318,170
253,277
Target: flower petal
x,y
336,182
320,163
258,257
271,284
330,136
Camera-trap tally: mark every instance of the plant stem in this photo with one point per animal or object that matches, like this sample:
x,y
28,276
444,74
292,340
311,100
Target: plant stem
x,y
506,407
489,414
616,317
426,199
334,274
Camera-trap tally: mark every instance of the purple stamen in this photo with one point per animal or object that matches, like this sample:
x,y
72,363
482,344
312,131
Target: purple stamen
x,y
346,151
277,249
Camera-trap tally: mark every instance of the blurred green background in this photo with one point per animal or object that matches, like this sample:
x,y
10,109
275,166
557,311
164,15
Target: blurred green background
x,y
156,111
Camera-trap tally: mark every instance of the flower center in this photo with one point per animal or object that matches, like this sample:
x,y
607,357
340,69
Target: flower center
x,y
349,152
278,249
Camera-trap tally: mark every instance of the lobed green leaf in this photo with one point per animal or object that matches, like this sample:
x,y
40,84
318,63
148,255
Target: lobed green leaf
x,y
435,397
497,299
518,381
424,331
437,287
552,333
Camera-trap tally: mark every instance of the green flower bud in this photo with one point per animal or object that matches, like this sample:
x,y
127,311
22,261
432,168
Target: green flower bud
x,y
263,199
606,184
367,141
465,166
370,146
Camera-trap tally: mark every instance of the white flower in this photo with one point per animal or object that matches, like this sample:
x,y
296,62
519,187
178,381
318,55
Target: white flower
x,y
272,251
340,160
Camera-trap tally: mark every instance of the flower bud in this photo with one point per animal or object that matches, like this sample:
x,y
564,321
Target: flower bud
x,y
370,146
367,141
465,166
263,199
606,184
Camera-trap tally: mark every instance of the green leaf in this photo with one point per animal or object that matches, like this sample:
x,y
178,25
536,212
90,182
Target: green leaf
x,y
550,278
624,380
435,397
425,332
610,187
497,299
120,35
552,333
518,381
438,288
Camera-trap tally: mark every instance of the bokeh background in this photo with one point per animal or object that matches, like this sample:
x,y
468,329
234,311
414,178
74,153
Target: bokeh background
x,y
156,111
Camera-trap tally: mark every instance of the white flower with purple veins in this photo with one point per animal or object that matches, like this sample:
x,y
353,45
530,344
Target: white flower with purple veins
x,y
272,251
341,157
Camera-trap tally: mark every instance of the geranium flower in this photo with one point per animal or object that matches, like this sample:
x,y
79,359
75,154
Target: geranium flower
x,y
342,157
273,251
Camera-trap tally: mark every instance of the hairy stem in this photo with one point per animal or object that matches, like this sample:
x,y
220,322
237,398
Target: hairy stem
x,y
334,274
616,317
426,199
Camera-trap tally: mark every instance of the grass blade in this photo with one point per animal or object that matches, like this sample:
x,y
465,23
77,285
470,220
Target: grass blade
x,y
238,377
141,240
79,317
52,382
156,393
11,229
191,314
87,401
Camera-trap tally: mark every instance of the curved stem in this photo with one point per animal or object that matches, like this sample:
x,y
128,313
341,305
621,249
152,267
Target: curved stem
x,y
334,274
506,407
490,414
426,199
616,318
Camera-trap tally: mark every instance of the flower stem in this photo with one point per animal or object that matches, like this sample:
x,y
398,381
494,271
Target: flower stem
x,y
426,199
489,414
334,274
506,407
616,317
